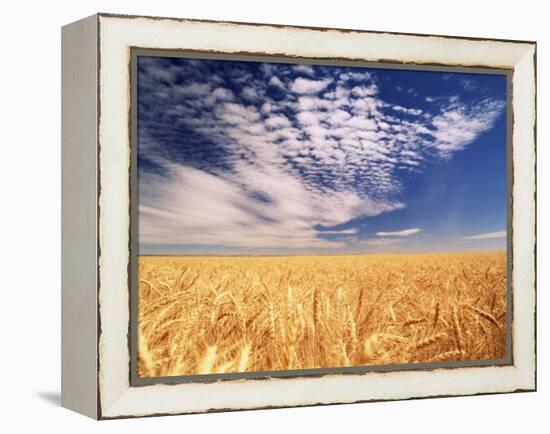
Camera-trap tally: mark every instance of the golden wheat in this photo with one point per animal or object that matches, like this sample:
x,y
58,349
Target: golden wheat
x,y
202,315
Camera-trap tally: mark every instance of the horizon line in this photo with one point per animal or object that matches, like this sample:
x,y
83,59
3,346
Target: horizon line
x,y
327,254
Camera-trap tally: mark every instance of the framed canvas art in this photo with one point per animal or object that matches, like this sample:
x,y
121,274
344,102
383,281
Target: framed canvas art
x,y
261,216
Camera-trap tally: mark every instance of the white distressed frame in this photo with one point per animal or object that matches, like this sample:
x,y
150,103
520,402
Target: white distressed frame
x,y
116,398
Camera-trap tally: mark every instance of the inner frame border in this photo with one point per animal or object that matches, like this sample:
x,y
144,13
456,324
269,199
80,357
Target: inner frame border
x,y
136,381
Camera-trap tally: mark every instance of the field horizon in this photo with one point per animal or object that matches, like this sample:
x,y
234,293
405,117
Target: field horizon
x,y
387,253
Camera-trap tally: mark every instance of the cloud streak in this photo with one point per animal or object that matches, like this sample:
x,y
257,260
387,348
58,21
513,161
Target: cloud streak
x,y
403,233
305,86
486,236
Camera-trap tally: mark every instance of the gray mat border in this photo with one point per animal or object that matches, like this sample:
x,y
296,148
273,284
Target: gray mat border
x,y
135,381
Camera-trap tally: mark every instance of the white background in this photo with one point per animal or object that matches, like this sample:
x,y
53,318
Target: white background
x,y
30,216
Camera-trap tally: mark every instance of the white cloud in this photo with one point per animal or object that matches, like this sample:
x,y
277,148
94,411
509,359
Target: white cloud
x,y
363,91
307,103
308,118
486,236
222,94
278,122
306,86
304,69
195,90
276,82
468,84
403,233
266,108
338,117
237,113
356,76
409,111
360,122
250,93
459,125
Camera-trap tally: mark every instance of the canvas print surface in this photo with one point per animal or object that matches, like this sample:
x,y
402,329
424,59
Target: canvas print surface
x,y
297,217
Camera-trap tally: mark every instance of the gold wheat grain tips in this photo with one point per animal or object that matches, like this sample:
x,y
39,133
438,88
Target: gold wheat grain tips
x,y
243,314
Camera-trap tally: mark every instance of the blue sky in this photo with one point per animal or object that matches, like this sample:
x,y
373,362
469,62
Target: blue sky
x,y
240,157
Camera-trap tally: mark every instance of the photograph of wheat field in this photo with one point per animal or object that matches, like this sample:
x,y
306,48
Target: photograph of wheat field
x,y
297,216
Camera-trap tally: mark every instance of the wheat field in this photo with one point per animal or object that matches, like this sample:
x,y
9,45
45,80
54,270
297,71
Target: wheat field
x,y
204,315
